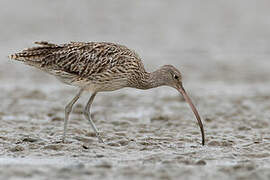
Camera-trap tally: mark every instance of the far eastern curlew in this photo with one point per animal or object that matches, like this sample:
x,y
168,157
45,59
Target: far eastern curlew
x,y
100,66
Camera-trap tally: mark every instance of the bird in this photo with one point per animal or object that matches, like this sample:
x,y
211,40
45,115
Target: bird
x,y
98,67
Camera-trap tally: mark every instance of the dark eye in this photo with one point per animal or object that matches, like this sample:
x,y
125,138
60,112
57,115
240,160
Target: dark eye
x,y
175,76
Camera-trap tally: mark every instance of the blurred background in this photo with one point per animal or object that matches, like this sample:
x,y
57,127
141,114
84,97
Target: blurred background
x,y
221,41
221,48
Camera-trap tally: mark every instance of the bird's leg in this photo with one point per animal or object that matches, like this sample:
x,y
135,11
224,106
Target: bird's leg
x,y
68,109
88,116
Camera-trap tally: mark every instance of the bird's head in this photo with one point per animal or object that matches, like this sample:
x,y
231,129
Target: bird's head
x,y
170,76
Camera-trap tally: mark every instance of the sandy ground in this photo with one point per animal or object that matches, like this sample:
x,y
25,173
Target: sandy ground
x,y
221,48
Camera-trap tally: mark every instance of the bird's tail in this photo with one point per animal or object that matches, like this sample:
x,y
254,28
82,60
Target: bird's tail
x,y
34,54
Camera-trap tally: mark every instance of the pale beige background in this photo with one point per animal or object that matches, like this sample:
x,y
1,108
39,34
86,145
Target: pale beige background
x,y
221,47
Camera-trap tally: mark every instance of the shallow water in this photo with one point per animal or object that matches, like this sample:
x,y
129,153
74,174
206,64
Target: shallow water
x,y
220,49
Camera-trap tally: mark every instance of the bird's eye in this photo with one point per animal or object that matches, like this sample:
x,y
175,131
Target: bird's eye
x,y
175,76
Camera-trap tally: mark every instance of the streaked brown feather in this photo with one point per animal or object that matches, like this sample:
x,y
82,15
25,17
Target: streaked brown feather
x,y
79,62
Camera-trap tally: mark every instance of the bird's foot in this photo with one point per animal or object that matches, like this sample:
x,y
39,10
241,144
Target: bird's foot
x,y
99,138
63,140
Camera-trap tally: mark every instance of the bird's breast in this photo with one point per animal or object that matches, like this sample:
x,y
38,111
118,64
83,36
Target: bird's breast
x,y
106,85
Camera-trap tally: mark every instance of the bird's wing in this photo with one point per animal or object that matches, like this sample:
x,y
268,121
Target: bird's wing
x,y
82,59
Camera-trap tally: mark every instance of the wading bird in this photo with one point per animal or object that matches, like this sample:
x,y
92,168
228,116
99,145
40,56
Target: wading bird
x,y
97,67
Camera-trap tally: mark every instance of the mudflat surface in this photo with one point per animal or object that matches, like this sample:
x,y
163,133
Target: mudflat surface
x,y
222,51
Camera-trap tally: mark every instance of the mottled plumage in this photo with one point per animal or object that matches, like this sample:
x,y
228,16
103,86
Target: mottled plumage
x,y
93,66
99,66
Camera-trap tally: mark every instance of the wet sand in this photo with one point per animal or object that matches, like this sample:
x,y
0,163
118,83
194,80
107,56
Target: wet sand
x,y
148,134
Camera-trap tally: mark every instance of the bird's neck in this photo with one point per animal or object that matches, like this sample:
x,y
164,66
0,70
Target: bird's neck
x,y
150,80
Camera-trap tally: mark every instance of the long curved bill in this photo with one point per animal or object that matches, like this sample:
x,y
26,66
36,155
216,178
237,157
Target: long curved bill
x,y
188,100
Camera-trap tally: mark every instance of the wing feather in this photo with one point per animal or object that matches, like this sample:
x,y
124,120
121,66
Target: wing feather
x,y
80,59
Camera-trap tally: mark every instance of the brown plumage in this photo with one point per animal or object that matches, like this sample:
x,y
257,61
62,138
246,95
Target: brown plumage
x,y
99,66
